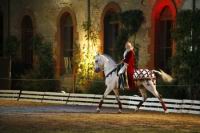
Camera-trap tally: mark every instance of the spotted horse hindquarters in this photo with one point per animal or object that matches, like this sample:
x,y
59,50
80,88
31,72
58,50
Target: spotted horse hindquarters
x,y
147,79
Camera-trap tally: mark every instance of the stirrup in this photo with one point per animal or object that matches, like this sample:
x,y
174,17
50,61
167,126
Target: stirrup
x,y
121,82
121,87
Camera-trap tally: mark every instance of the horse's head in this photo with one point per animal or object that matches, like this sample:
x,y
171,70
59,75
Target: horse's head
x,y
100,60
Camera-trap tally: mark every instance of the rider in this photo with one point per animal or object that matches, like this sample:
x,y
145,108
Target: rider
x,y
128,64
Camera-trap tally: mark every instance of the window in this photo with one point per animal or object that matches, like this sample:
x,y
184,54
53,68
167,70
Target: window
x,y
66,42
27,35
111,31
163,42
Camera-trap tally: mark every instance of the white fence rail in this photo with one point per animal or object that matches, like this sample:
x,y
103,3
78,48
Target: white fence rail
x,y
152,104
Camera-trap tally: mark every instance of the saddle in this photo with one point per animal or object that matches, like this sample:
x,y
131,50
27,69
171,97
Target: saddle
x,y
122,78
143,74
139,74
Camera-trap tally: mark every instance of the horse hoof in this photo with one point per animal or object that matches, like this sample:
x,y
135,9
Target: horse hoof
x,y
166,112
98,110
119,111
136,109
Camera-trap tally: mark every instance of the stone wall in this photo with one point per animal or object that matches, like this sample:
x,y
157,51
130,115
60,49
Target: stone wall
x,y
46,17
142,36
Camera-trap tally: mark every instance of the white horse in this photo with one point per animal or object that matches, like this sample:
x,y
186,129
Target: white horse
x,y
144,80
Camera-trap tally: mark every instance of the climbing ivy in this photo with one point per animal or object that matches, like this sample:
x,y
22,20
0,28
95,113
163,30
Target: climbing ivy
x,y
131,22
85,56
42,76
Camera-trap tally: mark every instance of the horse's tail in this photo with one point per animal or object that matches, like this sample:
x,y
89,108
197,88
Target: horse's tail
x,y
165,77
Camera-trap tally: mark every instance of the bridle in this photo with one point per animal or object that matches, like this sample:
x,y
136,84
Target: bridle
x,y
101,68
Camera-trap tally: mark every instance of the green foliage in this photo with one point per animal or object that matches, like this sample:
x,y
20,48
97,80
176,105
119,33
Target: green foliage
x,y
40,77
44,56
85,54
97,87
11,47
131,22
31,80
186,63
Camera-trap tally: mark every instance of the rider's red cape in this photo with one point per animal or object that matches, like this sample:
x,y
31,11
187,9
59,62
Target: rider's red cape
x,y
129,58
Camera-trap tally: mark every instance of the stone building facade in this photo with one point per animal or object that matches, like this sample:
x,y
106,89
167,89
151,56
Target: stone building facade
x,y
60,22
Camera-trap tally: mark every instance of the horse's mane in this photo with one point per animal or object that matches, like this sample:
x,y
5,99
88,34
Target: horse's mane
x,y
110,59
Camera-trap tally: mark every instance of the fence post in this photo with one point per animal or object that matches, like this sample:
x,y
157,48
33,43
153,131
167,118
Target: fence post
x,y
19,95
43,97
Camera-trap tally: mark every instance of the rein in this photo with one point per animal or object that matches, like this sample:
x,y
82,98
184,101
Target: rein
x,y
111,72
116,68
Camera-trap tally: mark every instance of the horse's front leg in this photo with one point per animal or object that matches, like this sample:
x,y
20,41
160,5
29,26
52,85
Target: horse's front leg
x,y
118,100
107,91
100,104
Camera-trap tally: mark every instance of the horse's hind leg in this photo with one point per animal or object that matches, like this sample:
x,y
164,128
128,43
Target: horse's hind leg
x,y
152,88
144,95
162,103
108,90
118,100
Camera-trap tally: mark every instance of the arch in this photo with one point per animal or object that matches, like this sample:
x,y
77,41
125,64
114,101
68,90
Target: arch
x,y
109,28
27,34
1,33
162,21
29,13
66,39
160,5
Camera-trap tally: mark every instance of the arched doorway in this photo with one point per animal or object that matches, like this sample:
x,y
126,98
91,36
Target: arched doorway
x,y
1,34
26,37
66,42
110,28
163,40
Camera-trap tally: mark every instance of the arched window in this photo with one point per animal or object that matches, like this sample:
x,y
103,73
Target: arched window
x,y
163,40
111,31
27,35
66,34
1,34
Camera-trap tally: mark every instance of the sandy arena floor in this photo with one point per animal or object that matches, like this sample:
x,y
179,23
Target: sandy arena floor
x,y
27,117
